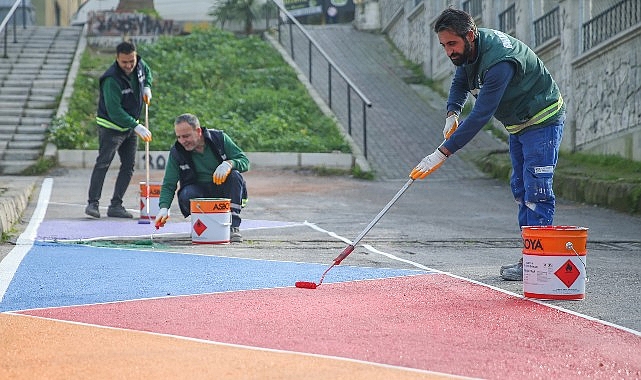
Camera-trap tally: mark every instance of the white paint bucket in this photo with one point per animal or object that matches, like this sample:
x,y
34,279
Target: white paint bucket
x,y
554,266
149,211
210,220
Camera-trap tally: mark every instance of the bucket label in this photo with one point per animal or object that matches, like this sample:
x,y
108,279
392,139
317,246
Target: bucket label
x,y
568,273
553,277
199,227
533,244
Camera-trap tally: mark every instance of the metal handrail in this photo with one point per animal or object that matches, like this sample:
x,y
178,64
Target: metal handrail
x,y
8,17
366,103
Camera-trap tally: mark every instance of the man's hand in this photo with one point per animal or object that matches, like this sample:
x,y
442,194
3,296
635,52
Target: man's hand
x,y
161,218
146,95
143,132
221,173
428,165
451,123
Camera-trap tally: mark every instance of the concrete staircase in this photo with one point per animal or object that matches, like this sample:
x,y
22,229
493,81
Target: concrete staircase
x,y
32,79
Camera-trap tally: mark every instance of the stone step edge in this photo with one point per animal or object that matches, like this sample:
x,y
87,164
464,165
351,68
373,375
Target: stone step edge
x,y
86,159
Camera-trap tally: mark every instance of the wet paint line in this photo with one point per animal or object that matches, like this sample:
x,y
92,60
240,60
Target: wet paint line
x,y
9,265
423,267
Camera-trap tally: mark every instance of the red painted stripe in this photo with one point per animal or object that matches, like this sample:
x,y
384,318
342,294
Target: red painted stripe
x,y
430,322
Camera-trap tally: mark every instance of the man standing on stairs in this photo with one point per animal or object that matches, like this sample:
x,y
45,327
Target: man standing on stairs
x,y
510,83
124,87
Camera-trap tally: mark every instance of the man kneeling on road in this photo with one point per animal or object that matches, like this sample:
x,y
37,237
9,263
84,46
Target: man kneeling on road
x,y
207,163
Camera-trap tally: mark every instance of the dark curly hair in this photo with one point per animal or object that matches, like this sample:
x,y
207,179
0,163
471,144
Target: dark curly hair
x,y
456,21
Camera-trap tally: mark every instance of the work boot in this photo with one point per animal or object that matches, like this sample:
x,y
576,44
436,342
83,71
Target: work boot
x,y
512,265
92,210
118,212
235,236
513,272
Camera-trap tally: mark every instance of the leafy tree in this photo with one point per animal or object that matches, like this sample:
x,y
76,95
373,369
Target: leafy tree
x,y
235,10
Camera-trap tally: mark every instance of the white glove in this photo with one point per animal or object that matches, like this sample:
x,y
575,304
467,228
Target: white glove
x,y
428,165
221,173
161,218
451,123
146,95
143,132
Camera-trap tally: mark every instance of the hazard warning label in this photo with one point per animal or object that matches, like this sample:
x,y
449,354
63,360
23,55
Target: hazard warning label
x,y
568,273
199,227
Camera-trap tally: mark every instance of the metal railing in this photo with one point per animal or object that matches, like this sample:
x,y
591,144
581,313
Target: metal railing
x,y
547,26
313,49
507,20
614,20
10,16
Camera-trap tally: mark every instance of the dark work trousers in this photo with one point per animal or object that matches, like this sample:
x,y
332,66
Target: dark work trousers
x,y
110,142
233,188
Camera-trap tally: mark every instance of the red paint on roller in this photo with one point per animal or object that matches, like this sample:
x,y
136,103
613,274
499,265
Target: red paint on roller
x,y
306,285
337,260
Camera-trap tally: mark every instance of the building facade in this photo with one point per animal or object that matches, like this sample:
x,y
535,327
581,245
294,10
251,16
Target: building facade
x,y
591,47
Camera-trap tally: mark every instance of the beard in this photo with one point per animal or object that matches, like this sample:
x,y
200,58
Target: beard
x,y
460,59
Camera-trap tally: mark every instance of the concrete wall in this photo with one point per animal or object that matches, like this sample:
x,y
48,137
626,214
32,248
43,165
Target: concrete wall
x,y
601,86
55,12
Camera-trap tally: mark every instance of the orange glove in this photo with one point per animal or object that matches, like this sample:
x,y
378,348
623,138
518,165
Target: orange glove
x,y
428,165
451,123
143,132
146,95
221,173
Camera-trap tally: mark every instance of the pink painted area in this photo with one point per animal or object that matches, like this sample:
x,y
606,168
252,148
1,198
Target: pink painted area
x,y
430,322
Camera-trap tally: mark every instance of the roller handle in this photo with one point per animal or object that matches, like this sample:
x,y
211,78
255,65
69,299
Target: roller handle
x,y
343,254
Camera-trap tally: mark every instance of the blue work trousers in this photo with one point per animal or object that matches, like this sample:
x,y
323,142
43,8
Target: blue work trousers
x,y
233,188
534,155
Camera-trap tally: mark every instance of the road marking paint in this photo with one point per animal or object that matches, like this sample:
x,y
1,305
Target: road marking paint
x,y
421,266
10,264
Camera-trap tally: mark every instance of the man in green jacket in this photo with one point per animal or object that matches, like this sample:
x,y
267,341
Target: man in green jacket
x,y
510,83
207,163
124,87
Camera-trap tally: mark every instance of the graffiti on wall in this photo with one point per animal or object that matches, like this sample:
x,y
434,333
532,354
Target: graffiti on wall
x,y
110,24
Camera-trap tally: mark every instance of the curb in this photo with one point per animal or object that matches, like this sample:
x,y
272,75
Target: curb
x,y
620,196
157,159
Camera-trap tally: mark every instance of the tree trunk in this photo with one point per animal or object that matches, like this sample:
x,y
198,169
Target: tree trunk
x,y
134,5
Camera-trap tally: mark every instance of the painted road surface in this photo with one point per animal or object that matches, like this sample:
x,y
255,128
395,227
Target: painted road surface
x,y
74,310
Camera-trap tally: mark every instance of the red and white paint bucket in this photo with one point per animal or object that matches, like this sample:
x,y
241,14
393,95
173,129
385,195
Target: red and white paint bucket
x,y
149,211
554,266
210,220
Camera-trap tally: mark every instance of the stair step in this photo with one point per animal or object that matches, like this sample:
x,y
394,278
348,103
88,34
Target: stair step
x,y
32,79
24,144
35,136
21,154
9,167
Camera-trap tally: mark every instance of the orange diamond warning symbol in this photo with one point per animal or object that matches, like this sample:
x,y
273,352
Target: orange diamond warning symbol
x,y
568,273
199,227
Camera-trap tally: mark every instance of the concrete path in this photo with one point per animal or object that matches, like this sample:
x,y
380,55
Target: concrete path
x,y
419,298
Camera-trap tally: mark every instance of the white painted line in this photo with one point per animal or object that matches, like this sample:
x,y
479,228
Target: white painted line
x,y
9,265
421,266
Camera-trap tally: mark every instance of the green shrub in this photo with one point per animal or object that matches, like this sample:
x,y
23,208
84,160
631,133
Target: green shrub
x,y
240,85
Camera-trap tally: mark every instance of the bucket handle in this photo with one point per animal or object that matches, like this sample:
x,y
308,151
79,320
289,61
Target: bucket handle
x,y
570,247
